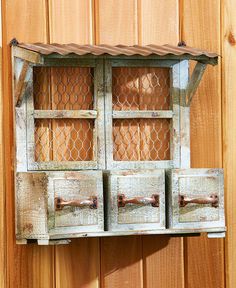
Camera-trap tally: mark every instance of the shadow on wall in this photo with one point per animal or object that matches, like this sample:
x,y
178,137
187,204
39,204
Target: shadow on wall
x,y
125,258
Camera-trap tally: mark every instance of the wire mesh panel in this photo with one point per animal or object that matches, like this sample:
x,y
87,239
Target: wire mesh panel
x,y
65,139
63,88
141,89
141,140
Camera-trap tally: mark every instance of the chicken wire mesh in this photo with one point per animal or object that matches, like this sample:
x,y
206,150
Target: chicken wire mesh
x,y
63,88
64,140
141,88
141,139
71,88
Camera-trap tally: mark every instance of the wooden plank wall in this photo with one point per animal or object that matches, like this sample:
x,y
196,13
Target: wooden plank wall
x,y
149,261
2,181
228,35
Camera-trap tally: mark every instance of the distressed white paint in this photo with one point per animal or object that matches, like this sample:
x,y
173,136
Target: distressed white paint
x,y
196,183
35,210
141,183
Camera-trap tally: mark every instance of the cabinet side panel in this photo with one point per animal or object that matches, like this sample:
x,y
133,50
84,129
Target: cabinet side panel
x,y
19,123
31,207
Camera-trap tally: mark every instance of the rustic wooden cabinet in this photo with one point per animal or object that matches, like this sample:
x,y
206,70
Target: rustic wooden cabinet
x,y
103,142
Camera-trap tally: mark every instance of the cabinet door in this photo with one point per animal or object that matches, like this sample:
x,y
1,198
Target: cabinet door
x,y
142,114
75,202
196,198
135,200
65,118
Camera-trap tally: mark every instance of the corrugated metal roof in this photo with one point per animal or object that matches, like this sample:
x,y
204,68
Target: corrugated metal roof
x,y
98,50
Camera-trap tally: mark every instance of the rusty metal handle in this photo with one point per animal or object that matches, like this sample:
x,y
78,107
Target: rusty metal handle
x,y
90,202
153,200
212,199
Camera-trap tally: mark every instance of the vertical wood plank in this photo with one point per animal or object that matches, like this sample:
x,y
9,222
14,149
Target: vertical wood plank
x,y
163,263
158,22
3,247
206,137
121,262
204,262
206,144
116,22
77,265
27,266
121,257
229,152
71,21
33,267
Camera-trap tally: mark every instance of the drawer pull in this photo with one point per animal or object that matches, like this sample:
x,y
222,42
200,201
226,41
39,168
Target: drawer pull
x,y
212,199
122,200
90,202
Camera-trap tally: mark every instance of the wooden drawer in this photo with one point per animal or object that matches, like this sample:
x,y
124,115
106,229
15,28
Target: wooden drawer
x,y
196,198
135,200
51,203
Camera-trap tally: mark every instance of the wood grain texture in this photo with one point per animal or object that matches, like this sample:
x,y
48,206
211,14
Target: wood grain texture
x,y
30,266
71,21
116,23
3,257
229,105
206,137
203,262
77,264
157,29
162,262
206,141
121,262
30,26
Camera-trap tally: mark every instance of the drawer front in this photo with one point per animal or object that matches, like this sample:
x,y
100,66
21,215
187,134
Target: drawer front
x,y
136,200
75,202
196,198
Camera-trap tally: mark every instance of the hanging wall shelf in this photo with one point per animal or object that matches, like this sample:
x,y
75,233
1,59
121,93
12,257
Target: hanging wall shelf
x,y
103,143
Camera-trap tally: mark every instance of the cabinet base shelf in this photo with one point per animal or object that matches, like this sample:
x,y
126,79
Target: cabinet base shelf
x,y
57,239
